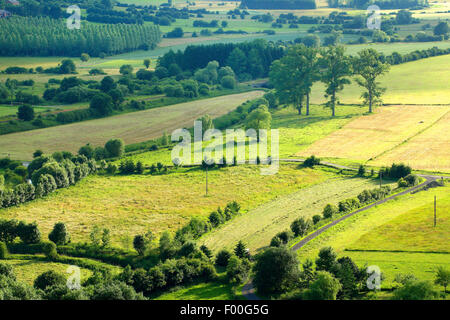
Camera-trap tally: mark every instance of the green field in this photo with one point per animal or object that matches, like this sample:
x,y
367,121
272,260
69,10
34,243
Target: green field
x,y
259,225
131,127
27,268
129,205
417,82
203,291
404,225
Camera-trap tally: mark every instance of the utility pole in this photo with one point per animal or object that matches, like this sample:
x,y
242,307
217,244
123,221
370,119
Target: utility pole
x,y
206,180
435,211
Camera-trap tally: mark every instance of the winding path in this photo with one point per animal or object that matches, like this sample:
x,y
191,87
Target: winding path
x,y
248,291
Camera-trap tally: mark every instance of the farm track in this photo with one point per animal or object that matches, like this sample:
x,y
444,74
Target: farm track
x,y
248,291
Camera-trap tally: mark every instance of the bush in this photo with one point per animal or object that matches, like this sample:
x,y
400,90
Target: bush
x,y
222,258
3,250
115,147
228,82
401,183
329,211
49,249
139,244
49,279
300,227
412,180
237,270
416,290
361,171
325,287
59,234
311,161
29,233
25,113
316,218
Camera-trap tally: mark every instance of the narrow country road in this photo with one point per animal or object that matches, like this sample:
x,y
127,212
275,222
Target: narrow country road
x,y
248,291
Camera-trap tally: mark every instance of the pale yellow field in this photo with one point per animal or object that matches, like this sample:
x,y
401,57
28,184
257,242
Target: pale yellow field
x,y
370,136
131,127
429,150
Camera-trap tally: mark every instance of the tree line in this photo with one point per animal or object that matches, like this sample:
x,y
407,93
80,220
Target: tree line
x,y
294,75
48,174
248,60
43,36
278,4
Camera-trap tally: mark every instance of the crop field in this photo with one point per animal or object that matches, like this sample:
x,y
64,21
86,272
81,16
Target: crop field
x,y
131,127
404,225
417,82
129,205
425,151
370,136
259,225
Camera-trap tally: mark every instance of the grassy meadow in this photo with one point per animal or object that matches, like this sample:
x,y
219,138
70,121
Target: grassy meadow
x,y
416,82
28,268
401,231
129,205
257,227
131,127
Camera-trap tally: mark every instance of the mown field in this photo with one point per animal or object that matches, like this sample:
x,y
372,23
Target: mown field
x,y
129,205
259,225
414,130
428,150
404,225
27,268
131,127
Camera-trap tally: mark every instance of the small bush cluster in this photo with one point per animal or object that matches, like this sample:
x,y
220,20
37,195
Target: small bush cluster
x,y
409,181
311,161
27,232
396,171
220,216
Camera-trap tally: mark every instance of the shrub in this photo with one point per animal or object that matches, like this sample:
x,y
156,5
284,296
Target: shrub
x,y
329,211
316,218
49,249
139,244
412,179
222,258
237,270
228,82
188,248
29,233
25,113
325,287
115,147
416,290
3,250
49,279
311,161
401,183
59,234
361,170
300,227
